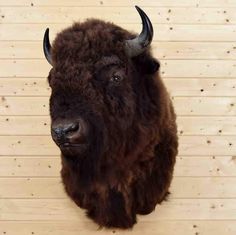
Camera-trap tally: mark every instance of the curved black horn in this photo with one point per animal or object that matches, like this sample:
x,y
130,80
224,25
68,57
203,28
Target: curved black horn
x,y
47,46
137,45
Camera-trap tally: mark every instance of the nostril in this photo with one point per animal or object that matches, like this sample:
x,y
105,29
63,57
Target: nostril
x,y
72,128
57,133
57,130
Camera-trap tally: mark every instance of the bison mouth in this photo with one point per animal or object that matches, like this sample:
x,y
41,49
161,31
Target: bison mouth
x,y
69,145
75,149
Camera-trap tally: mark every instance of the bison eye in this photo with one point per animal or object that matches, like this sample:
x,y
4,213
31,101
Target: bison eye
x,y
116,79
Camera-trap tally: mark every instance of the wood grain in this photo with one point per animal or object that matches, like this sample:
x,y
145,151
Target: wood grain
x,y
65,210
195,41
167,32
196,106
187,125
169,68
50,166
176,86
188,145
131,3
163,15
49,188
162,50
160,227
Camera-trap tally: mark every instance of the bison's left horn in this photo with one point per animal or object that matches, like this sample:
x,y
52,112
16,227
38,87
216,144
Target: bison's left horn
x,y
47,46
138,45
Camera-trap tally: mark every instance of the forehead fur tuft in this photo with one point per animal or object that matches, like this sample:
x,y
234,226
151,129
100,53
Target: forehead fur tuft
x,y
88,41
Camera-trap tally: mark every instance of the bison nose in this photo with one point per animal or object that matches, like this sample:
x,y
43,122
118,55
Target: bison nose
x,y
66,132
63,130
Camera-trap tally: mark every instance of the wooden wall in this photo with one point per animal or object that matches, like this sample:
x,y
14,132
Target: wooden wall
x,y
195,41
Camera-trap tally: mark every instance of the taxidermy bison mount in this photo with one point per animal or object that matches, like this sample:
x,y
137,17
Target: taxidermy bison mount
x,y
112,119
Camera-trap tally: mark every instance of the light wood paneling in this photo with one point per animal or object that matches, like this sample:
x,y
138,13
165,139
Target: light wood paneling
x,y
207,145
42,188
204,166
131,3
160,227
27,145
170,68
27,87
195,41
201,87
49,166
31,166
176,87
35,125
163,50
196,106
206,125
164,15
170,32
64,209
188,145
25,125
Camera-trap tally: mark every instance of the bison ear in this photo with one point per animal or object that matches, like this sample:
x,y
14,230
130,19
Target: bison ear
x,y
152,66
146,64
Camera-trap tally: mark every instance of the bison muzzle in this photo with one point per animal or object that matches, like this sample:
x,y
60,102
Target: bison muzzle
x,y
112,119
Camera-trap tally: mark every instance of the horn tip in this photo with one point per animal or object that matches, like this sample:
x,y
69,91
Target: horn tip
x,y
47,46
138,8
47,30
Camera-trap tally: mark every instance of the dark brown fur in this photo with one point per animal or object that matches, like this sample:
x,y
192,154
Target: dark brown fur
x,y
128,165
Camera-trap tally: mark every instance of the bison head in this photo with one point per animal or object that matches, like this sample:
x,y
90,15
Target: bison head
x,y
102,81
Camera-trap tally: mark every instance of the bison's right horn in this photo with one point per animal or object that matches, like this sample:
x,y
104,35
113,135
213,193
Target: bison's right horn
x,y
47,46
138,45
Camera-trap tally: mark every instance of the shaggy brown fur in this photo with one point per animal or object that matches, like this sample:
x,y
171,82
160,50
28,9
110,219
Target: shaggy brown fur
x,y
127,166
